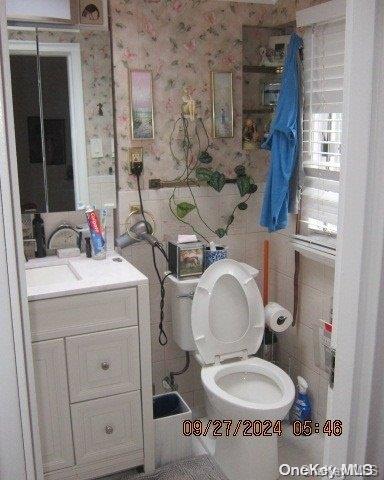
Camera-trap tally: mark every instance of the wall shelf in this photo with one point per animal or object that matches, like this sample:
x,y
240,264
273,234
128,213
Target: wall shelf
x,y
259,110
276,70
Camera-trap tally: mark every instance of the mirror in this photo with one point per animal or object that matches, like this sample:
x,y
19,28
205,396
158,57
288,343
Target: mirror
x,y
63,111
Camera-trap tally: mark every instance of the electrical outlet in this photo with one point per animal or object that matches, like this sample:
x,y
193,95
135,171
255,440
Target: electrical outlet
x,y
136,160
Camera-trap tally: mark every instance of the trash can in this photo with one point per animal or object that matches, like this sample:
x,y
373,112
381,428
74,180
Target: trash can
x,y
169,412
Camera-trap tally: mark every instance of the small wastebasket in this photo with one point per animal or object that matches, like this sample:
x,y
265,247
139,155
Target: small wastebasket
x,y
169,412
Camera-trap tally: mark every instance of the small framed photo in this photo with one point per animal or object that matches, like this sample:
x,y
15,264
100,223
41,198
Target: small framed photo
x,y
279,44
92,12
141,96
186,259
222,104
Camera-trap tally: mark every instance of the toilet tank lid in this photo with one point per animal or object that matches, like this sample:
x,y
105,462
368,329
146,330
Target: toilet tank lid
x,y
254,272
184,281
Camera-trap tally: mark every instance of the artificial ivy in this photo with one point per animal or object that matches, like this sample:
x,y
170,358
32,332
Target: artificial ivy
x,y
184,208
203,174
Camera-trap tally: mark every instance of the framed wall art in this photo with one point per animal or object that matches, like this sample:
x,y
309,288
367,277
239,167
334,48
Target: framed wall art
x,y
92,13
278,44
141,97
222,104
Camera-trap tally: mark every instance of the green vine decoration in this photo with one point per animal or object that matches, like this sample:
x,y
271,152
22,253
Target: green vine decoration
x,y
204,175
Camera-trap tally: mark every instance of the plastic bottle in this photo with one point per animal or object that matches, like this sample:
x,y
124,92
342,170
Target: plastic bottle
x,y
39,236
96,234
301,409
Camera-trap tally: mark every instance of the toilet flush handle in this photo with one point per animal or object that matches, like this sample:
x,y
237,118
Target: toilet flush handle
x,y
187,295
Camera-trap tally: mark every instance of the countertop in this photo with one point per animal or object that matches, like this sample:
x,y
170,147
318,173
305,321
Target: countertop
x,y
112,273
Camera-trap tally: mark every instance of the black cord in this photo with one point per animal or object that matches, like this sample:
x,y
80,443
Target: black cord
x,y
183,370
163,339
141,201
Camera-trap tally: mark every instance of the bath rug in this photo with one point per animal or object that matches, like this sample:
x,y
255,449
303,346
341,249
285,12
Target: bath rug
x,y
194,468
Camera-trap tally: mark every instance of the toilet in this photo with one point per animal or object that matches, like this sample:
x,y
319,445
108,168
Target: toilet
x,y
220,317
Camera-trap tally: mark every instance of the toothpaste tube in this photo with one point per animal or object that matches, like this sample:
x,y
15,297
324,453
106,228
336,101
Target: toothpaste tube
x,y
96,233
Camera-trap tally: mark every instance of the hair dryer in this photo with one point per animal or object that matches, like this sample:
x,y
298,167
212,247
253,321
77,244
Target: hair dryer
x,y
138,232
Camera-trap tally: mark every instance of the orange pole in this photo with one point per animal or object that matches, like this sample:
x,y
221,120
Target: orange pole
x,y
265,271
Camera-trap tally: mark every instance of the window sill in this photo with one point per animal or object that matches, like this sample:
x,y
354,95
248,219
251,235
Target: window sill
x,y
320,253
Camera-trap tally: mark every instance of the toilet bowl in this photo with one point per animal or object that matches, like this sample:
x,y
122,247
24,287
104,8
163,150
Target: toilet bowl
x,y
246,391
227,324
253,389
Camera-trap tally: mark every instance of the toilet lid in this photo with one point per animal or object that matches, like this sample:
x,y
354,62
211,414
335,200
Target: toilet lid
x,y
227,313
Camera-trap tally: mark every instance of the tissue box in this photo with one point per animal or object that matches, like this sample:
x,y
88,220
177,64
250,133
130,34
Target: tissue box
x,y
186,259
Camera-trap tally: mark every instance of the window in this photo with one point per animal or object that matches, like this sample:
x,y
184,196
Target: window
x,y
323,70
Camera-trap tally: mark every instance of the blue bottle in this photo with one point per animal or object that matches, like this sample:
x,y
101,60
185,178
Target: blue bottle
x,y
301,409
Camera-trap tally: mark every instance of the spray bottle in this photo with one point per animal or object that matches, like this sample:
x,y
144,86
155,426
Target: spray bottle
x,y
301,409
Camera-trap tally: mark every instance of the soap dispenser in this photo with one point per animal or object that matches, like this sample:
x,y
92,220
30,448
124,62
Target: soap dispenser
x,y
39,235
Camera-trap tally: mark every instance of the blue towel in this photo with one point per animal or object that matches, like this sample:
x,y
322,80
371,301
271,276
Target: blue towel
x,y
283,141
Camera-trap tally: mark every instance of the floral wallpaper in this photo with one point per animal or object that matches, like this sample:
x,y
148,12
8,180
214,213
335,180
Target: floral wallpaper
x,y
181,41
97,87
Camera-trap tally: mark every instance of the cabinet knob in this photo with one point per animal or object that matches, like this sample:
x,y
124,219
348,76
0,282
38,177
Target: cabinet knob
x,y
108,430
105,365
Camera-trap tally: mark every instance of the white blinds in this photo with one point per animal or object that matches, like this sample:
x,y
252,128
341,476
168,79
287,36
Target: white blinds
x,y
323,71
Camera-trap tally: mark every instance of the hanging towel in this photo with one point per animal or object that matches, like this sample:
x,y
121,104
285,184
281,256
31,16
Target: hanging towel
x,y
283,141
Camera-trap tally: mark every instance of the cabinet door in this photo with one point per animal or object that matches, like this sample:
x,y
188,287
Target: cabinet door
x,y
53,404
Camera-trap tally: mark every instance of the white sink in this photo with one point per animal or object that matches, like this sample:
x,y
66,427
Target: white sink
x,y
52,277
52,274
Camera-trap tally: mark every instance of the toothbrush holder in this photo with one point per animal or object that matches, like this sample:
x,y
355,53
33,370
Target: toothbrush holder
x,y
215,255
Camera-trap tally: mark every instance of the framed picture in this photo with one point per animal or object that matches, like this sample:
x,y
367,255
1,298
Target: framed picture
x,y
222,104
92,12
186,259
142,124
279,44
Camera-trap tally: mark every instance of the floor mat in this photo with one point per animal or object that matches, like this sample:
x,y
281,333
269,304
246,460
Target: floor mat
x,y
194,468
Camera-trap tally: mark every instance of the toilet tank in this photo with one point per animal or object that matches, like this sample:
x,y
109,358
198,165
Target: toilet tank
x,y
181,295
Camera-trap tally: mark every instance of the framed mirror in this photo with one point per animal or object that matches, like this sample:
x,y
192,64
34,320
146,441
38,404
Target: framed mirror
x,y
63,110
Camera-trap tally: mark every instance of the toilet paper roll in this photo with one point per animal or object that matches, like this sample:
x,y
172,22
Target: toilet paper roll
x,y
277,317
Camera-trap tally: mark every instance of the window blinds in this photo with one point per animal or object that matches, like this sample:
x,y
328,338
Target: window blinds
x,y
323,69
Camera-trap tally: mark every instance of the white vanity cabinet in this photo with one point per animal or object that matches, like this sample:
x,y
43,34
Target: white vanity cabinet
x,y
93,381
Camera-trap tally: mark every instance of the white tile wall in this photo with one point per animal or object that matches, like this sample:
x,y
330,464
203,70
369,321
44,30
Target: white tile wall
x,y
245,242
296,349
54,219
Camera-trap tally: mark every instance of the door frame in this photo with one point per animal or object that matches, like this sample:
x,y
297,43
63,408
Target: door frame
x,y
72,52
358,276
20,454
359,271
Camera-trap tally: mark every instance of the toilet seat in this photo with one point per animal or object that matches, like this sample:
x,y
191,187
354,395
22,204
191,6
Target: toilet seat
x,y
227,314
229,398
